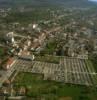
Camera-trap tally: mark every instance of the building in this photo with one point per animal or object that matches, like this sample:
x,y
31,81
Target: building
x,y
4,91
9,63
82,56
27,57
22,91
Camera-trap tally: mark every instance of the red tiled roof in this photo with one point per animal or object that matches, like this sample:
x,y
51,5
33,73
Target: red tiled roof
x,y
10,61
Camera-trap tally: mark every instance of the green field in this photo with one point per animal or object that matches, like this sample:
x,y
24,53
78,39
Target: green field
x,y
93,59
50,48
50,90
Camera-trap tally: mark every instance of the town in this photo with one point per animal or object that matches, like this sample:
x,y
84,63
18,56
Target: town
x,y
61,48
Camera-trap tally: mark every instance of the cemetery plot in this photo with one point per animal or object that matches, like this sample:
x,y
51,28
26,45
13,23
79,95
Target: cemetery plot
x,y
69,70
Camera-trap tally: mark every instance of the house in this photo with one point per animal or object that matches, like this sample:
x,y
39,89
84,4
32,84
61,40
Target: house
x,y
9,63
4,91
22,91
83,56
27,57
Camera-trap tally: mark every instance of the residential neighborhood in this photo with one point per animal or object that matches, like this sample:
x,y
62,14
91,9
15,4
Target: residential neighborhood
x,y
48,54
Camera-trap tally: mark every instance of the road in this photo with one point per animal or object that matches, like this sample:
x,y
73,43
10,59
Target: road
x,y
5,46
21,36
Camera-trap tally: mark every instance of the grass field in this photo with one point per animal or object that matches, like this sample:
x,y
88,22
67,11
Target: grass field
x,y
92,67
93,59
51,90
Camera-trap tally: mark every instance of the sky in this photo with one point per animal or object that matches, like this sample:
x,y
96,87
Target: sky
x,y
93,0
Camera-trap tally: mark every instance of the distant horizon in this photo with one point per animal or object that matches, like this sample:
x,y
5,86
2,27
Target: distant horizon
x,y
93,0
47,3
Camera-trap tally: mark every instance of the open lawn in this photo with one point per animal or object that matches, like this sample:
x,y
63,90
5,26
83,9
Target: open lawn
x,y
50,90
